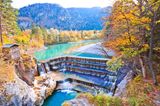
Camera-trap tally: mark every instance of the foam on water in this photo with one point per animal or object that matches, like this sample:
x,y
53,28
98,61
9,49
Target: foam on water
x,y
67,91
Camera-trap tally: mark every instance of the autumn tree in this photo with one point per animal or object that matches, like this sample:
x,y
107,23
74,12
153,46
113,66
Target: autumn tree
x,y
132,27
154,8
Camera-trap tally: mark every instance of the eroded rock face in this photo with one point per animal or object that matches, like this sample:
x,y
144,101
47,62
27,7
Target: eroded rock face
x,y
121,87
19,93
25,68
43,87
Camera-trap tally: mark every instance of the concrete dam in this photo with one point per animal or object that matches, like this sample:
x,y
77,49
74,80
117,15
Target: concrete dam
x,y
93,70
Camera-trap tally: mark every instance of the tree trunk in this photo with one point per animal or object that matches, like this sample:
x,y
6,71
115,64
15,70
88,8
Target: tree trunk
x,y
1,38
142,68
153,22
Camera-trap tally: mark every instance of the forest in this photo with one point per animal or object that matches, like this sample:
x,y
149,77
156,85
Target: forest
x,y
55,16
133,31
10,32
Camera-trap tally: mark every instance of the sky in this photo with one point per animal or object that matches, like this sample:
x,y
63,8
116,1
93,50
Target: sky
x,y
65,3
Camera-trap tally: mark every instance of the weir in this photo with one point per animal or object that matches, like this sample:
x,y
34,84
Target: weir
x,y
91,69
70,62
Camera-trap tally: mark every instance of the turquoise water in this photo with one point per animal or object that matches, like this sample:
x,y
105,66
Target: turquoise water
x,y
58,97
63,49
87,55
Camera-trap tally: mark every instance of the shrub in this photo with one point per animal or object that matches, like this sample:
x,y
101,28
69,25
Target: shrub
x,y
89,96
138,92
116,102
114,64
133,101
102,100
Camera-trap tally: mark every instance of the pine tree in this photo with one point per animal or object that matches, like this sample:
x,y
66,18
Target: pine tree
x,y
8,19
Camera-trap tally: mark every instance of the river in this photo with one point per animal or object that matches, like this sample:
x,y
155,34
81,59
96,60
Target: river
x,y
58,97
51,51
64,49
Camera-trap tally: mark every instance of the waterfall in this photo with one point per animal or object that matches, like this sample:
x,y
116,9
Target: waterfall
x,y
66,85
47,68
40,69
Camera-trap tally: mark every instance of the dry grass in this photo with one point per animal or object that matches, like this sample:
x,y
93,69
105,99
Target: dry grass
x,y
142,92
6,72
102,100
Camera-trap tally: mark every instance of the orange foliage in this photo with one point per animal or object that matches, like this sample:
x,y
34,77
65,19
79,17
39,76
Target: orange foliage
x,y
120,42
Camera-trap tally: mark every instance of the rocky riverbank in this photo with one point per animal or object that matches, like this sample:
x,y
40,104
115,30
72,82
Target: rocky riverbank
x,y
43,87
18,93
97,48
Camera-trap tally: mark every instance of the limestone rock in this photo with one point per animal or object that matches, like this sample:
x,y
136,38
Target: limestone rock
x,y
121,87
43,87
17,93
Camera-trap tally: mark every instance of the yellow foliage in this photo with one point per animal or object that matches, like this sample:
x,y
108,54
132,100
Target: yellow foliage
x,y
22,38
127,46
36,43
25,38
28,62
145,47
6,73
145,20
121,41
7,39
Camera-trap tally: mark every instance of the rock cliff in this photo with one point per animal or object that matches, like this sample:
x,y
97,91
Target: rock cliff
x,y
19,93
43,87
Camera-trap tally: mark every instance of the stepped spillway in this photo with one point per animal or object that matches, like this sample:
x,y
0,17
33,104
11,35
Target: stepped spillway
x,y
93,70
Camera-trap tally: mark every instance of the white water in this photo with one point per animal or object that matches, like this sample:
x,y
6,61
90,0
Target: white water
x,y
66,85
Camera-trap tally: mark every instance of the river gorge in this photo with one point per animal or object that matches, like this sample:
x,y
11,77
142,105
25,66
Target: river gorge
x,y
82,68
